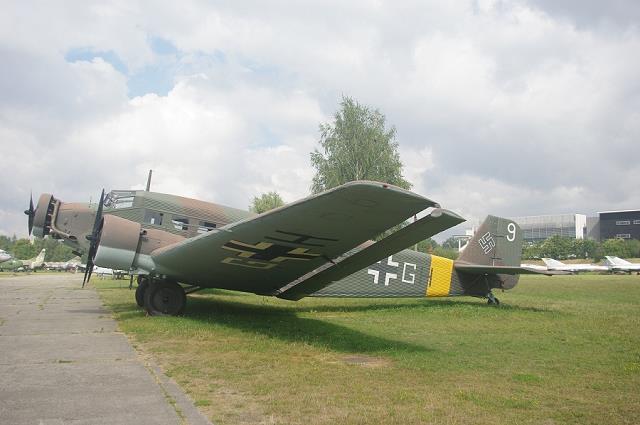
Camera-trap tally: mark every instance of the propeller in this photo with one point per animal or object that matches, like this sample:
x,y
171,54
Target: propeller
x,y
30,212
94,239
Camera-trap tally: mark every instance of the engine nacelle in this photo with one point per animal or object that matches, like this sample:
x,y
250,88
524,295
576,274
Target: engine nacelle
x,y
44,211
118,243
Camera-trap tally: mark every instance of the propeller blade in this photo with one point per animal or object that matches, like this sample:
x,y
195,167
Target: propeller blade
x,y
94,239
31,213
86,272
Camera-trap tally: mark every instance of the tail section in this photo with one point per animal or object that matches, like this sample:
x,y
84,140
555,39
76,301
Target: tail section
x,y
551,263
491,259
617,261
497,242
40,258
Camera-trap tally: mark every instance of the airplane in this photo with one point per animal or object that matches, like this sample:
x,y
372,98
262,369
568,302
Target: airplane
x,y
32,264
555,265
71,265
318,246
4,256
618,264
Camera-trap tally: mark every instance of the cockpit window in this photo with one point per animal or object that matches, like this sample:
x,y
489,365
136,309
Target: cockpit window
x,y
180,223
120,199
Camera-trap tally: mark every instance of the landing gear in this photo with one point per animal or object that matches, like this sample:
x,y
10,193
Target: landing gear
x,y
143,284
492,300
164,298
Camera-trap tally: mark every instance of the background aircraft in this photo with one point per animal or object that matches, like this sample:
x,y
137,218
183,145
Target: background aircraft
x,y
4,256
556,265
73,264
618,264
31,264
318,246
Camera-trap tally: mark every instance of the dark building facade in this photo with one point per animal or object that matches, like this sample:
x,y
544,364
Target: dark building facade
x,y
620,224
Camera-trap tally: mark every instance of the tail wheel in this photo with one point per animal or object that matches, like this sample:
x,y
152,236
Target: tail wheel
x,y
164,298
143,284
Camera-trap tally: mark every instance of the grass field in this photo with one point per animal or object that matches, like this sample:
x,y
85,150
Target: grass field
x,y
564,349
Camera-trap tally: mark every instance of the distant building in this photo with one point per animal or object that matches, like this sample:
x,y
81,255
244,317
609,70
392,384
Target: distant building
x,y
619,224
537,228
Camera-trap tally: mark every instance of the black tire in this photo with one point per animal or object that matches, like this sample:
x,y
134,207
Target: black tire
x,y
164,298
143,284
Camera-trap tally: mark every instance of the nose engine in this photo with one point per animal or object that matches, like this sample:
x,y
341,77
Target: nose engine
x,y
43,214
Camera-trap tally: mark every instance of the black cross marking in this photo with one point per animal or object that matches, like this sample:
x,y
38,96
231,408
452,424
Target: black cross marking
x,y
267,251
300,240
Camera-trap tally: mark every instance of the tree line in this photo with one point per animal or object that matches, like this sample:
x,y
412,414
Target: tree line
x,y
23,248
561,248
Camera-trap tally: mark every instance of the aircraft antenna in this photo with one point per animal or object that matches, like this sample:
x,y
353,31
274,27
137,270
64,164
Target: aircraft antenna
x,y
149,180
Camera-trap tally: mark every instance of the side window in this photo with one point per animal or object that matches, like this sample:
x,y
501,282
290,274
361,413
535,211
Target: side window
x,y
153,217
180,223
205,226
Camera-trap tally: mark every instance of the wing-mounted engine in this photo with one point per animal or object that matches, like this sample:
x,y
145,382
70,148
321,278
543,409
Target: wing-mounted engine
x,y
124,245
118,243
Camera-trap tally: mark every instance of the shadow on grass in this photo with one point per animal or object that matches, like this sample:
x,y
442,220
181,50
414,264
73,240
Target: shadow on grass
x,y
421,304
284,324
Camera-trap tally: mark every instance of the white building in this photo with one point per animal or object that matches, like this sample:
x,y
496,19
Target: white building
x,y
540,227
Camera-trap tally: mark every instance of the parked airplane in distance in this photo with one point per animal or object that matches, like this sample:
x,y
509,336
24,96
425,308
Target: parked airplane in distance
x,y
572,268
32,264
4,256
72,265
534,267
618,264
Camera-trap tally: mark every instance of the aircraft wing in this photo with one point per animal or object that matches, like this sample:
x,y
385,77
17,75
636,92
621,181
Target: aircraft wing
x,y
264,253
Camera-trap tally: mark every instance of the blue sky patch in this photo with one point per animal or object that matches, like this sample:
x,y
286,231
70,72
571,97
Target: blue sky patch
x,y
87,54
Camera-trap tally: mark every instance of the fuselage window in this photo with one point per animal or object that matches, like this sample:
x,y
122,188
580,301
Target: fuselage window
x,y
153,217
205,226
180,223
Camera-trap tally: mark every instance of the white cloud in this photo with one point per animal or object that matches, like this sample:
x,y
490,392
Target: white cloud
x,y
501,107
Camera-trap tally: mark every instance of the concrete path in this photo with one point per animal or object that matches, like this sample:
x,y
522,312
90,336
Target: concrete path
x,y
62,361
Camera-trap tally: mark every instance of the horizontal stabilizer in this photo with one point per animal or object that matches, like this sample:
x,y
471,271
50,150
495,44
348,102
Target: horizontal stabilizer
x,y
424,228
485,269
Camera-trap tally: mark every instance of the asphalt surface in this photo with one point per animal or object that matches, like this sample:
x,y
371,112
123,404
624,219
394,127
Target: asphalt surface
x,y
62,361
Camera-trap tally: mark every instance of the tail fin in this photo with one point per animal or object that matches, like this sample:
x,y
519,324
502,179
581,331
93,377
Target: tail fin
x,y
497,242
40,257
550,262
617,261
494,252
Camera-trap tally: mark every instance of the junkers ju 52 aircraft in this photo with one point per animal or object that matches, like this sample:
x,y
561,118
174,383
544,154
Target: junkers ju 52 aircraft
x,y
317,246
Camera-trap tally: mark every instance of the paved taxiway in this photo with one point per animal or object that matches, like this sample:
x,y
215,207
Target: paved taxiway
x,y
63,362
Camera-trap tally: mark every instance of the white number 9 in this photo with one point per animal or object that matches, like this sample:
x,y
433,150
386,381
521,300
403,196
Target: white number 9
x,y
511,228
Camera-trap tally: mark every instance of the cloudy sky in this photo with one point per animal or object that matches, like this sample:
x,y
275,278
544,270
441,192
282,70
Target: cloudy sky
x,y
501,107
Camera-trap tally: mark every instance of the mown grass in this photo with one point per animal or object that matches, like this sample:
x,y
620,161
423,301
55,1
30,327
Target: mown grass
x,y
564,349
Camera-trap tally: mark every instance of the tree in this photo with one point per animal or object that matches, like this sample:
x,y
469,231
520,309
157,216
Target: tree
x,y
266,202
356,146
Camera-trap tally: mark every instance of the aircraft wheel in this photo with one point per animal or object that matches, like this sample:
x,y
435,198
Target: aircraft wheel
x,y
164,298
493,301
143,284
